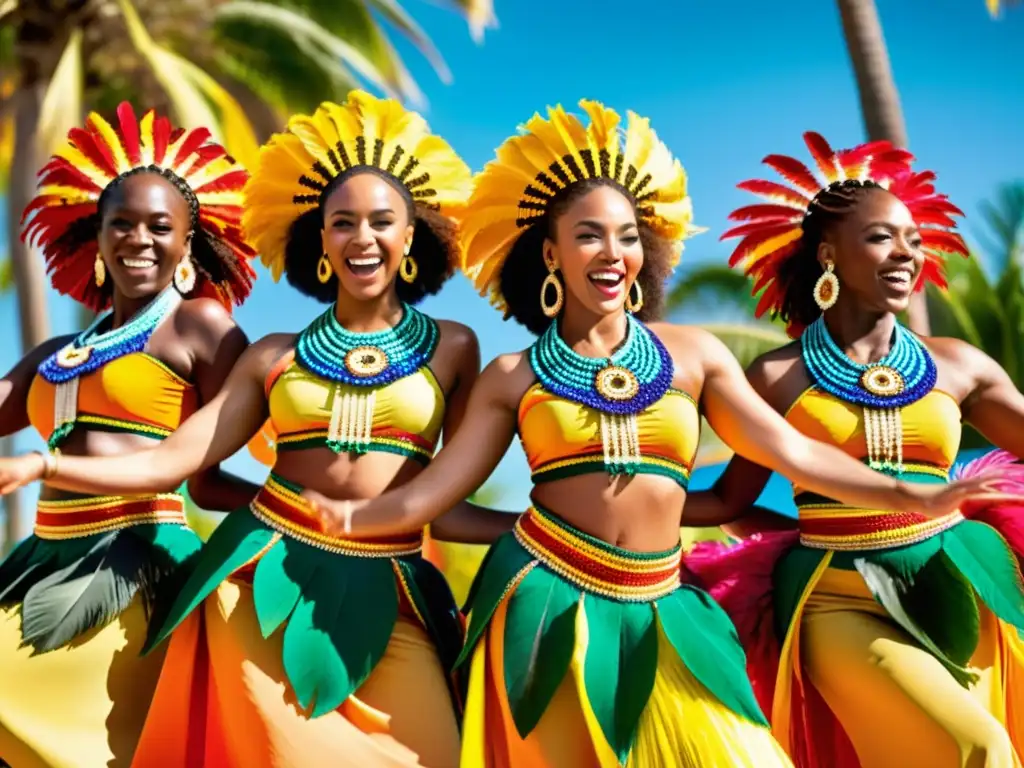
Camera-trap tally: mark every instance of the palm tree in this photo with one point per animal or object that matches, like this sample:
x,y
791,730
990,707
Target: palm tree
x,y
238,66
988,312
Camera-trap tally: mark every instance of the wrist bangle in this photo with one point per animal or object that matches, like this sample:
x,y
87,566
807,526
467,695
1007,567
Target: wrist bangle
x,y
49,465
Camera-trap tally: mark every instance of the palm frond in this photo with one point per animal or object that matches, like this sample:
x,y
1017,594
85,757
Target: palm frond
x,y
404,23
62,103
748,342
717,282
303,29
479,14
1004,221
7,7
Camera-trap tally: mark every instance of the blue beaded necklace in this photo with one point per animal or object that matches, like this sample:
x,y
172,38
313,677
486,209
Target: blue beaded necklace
x,y
902,377
91,350
366,361
636,376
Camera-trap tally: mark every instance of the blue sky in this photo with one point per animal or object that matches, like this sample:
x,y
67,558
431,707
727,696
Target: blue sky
x,y
724,83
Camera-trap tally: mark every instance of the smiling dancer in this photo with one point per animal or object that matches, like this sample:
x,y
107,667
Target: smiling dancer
x,y
144,220
897,630
320,650
586,649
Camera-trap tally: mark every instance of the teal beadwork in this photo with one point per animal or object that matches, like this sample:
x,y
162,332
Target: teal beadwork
x,y
325,346
568,374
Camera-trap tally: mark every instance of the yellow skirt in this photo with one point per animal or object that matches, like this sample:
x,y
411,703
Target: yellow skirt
x,y
898,706
80,705
224,701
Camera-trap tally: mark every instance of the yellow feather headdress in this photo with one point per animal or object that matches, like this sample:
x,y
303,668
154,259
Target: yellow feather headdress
x,y
296,166
515,189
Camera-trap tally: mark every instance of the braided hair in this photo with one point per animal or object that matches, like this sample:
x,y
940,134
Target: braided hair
x,y
524,270
798,274
434,245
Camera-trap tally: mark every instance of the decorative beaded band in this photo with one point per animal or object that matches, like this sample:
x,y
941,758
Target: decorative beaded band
x,y
76,518
595,566
383,441
279,506
847,529
584,464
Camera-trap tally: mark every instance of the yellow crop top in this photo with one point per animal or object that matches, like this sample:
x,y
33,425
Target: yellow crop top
x,y
931,430
562,438
136,393
407,414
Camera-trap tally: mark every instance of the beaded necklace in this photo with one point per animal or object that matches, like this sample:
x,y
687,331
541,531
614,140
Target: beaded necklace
x,y
636,376
91,350
882,389
367,361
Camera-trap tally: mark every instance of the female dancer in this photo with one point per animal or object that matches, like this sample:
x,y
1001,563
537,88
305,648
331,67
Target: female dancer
x,y
897,644
586,649
144,220
320,650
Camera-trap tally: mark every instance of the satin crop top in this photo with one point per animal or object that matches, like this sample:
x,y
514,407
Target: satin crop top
x,y
408,414
136,394
931,430
562,438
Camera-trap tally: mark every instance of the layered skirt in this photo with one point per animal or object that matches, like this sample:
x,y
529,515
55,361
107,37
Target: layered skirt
x,y
75,603
311,650
583,654
878,639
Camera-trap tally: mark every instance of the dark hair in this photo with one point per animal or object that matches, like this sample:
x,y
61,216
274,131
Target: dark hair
x,y
524,270
798,274
210,254
434,246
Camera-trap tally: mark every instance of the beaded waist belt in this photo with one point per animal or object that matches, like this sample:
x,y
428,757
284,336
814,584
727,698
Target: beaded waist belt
x,y
384,441
75,518
850,529
279,506
594,566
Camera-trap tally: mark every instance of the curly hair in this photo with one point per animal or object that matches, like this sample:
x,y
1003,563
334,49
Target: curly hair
x,y
210,253
798,274
434,246
524,270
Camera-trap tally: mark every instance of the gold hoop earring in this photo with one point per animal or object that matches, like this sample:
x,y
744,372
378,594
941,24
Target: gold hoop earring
x,y
100,270
324,270
826,290
635,305
551,281
185,276
408,269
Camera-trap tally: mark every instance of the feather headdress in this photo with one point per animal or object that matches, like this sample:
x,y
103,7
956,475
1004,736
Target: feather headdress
x,y
771,231
295,167
100,154
515,189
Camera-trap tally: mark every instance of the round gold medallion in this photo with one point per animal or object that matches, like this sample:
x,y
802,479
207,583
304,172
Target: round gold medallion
x,y
366,361
883,381
617,383
72,356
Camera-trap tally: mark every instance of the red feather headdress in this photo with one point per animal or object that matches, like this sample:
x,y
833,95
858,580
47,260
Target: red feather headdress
x,y
771,231
73,180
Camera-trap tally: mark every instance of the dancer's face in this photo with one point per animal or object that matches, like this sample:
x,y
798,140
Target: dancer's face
x,y
877,253
595,243
365,234
145,230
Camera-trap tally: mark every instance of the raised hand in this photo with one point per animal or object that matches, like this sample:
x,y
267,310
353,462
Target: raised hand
x,y
941,500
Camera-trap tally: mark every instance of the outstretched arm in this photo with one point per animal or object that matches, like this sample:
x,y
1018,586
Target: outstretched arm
x,y
755,431
218,343
995,407
461,467
466,522
211,435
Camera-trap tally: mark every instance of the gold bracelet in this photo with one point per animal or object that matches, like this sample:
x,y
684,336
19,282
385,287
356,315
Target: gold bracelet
x,y
49,465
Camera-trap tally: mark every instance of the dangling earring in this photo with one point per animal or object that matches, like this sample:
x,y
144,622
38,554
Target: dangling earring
x,y
551,281
826,290
100,269
407,268
635,305
185,276
324,269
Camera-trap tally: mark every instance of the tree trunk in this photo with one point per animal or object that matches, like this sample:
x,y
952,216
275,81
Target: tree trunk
x,y
13,513
879,100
